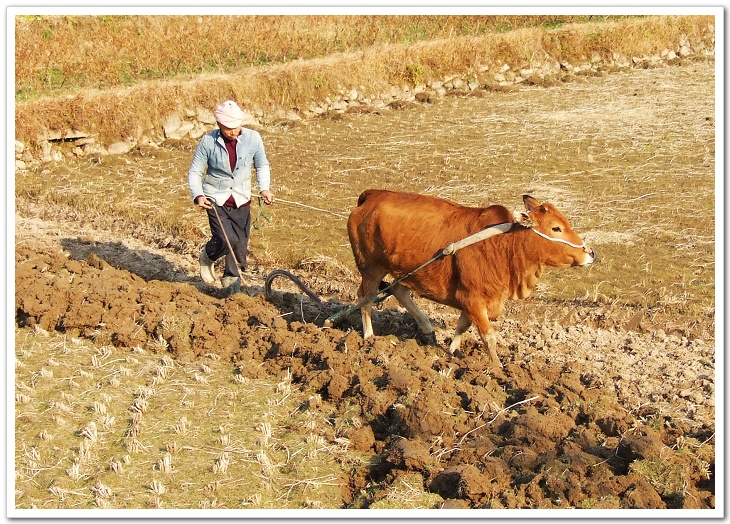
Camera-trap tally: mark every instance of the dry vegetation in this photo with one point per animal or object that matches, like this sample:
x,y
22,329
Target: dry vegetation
x,y
98,426
145,431
63,54
324,57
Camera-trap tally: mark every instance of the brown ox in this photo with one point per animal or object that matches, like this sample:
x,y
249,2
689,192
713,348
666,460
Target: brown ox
x,y
394,232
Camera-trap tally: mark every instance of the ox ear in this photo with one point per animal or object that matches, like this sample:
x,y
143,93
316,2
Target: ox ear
x,y
530,203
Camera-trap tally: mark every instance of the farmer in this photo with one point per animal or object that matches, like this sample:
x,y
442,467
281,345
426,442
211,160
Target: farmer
x,y
220,182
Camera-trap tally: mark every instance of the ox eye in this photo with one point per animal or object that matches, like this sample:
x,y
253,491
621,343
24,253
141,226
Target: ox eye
x,y
557,229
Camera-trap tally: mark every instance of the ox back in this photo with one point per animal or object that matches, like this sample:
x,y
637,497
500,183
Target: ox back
x,y
394,232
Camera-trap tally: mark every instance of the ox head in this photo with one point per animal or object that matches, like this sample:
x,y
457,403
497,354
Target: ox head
x,y
566,248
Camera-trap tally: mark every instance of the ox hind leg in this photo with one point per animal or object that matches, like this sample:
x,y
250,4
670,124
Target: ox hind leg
x,y
404,297
368,288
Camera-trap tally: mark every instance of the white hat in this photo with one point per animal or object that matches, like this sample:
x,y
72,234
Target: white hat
x,y
229,114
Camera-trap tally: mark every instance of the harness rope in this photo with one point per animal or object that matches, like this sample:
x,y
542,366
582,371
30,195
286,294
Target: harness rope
x,y
299,204
447,251
551,239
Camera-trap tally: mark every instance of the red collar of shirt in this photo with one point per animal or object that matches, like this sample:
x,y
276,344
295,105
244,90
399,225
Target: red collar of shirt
x,y
231,148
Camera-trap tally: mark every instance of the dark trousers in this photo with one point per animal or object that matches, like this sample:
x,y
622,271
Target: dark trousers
x,y
237,226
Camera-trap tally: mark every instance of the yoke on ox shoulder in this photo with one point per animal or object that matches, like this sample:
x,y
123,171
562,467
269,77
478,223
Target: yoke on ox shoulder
x,y
476,237
447,251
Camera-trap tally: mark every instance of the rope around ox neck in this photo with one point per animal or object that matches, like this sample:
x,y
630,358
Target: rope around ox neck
x,y
551,239
447,251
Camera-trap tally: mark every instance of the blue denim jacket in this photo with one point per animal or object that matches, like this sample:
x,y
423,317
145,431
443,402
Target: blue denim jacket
x,y
220,183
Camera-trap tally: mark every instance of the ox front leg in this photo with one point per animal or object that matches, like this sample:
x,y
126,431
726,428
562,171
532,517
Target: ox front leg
x,y
490,340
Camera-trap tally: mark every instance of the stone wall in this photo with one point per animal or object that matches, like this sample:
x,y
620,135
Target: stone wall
x,y
197,121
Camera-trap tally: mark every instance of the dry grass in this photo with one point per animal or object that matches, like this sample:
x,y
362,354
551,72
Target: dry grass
x,y
100,427
407,493
53,55
393,60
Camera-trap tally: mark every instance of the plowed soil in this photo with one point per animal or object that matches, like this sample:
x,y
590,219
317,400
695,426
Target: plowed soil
x,y
595,407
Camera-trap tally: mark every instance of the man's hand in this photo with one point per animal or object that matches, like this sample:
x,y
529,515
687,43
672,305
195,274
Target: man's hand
x,y
268,197
203,202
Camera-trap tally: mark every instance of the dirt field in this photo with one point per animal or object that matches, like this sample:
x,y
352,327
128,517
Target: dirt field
x,y
607,396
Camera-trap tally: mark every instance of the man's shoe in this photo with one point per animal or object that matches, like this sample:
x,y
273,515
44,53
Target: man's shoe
x,y
207,272
231,284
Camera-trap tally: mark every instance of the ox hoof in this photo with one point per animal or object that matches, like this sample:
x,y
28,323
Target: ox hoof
x,y
426,339
457,353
